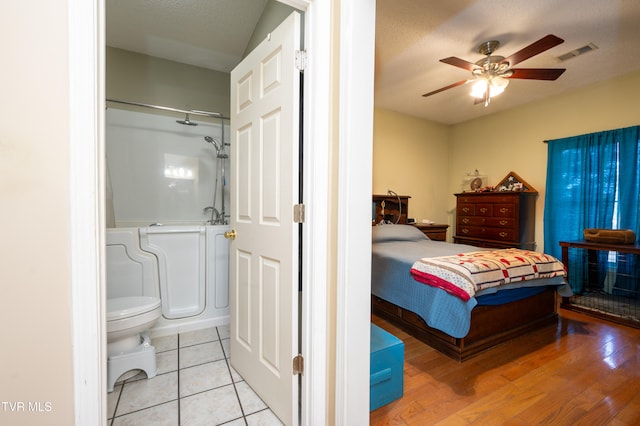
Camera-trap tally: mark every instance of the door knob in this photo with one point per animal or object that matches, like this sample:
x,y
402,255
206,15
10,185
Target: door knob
x,y
230,234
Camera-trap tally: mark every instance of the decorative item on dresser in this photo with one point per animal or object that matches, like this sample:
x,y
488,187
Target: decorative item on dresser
x,y
435,231
391,207
500,219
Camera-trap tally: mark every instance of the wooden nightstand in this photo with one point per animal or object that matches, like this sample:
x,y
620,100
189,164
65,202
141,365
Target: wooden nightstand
x,y
435,231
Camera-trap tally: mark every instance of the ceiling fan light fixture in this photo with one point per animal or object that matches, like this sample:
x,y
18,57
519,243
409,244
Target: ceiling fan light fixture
x,y
478,88
496,86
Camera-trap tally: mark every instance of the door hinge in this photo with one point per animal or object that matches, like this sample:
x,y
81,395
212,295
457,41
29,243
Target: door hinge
x,y
301,60
298,364
298,213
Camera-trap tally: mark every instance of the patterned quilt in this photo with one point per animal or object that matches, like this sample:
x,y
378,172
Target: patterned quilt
x,y
464,274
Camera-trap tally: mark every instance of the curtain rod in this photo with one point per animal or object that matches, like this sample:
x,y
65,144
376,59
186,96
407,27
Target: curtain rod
x,y
183,111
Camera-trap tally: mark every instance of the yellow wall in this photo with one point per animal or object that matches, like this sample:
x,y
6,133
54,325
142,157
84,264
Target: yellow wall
x,y
411,157
36,358
516,136
495,145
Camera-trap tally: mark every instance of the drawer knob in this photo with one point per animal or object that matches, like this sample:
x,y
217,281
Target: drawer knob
x,y
483,210
503,222
465,220
465,231
503,234
465,209
504,210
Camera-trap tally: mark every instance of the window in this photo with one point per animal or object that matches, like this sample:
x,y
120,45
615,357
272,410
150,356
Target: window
x,y
593,181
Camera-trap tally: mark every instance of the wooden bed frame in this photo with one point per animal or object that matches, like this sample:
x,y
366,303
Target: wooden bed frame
x,y
490,325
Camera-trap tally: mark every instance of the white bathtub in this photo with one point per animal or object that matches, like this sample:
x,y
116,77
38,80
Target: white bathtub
x,y
193,271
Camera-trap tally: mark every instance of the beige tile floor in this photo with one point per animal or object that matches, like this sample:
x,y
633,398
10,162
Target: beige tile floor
x,y
195,385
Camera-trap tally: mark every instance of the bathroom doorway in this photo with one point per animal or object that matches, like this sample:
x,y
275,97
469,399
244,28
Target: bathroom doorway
x,y
356,70
143,78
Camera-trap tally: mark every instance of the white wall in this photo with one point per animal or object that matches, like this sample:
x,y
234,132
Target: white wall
x,y
143,148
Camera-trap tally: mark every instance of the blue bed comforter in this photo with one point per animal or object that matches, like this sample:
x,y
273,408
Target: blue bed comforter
x,y
395,248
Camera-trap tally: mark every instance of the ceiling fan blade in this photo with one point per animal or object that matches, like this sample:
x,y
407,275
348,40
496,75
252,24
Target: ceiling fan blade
x,y
442,89
537,73
545,43
460,63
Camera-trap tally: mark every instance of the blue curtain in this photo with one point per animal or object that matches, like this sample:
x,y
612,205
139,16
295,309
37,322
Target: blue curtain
x,y
585,175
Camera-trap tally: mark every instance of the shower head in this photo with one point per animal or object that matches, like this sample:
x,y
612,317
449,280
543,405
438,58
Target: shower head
x,y
186,121
213,142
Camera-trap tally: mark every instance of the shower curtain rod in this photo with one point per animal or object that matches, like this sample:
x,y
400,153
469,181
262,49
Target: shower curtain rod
x,y
183,111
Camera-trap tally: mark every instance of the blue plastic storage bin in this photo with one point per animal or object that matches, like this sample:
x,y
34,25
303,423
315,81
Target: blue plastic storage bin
x,y
386,382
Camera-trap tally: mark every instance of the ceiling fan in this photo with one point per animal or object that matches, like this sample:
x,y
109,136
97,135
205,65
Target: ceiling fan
x,y
491,74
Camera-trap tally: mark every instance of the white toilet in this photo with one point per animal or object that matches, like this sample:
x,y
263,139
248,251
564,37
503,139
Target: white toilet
x,y
133,305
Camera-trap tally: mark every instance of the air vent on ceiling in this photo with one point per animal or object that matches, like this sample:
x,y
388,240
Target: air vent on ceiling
x,y
577,52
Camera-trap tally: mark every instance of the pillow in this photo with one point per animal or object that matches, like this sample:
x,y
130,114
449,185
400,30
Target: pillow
x,y
382,233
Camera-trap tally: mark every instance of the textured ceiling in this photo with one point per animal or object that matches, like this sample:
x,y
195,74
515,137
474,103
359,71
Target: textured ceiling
x,y
207,33
411,37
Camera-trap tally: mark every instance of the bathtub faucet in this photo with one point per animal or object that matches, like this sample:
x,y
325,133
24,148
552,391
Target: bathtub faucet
x,y
215,215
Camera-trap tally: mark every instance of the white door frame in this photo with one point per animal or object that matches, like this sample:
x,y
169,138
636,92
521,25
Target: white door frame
x,y
355,163
86,111
86,140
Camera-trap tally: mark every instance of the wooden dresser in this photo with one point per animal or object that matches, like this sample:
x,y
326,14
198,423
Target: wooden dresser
x,y
496,219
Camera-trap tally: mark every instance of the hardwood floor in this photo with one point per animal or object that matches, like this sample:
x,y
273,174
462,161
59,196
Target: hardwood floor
x,y
585,371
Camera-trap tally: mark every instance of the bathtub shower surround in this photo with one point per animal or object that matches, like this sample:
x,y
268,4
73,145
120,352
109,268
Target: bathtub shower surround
x,y
161,171
162,183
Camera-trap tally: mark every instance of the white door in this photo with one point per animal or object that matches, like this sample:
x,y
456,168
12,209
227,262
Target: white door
x,y
264,255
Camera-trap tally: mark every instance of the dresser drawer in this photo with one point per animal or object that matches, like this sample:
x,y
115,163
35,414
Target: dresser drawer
x,y
488,198
484,210
499,222
490,233
476,210
504,210
437,235
501,234
466,209
435,231
471,221
470,231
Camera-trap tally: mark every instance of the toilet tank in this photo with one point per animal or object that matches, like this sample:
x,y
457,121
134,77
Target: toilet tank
x,y
129,270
